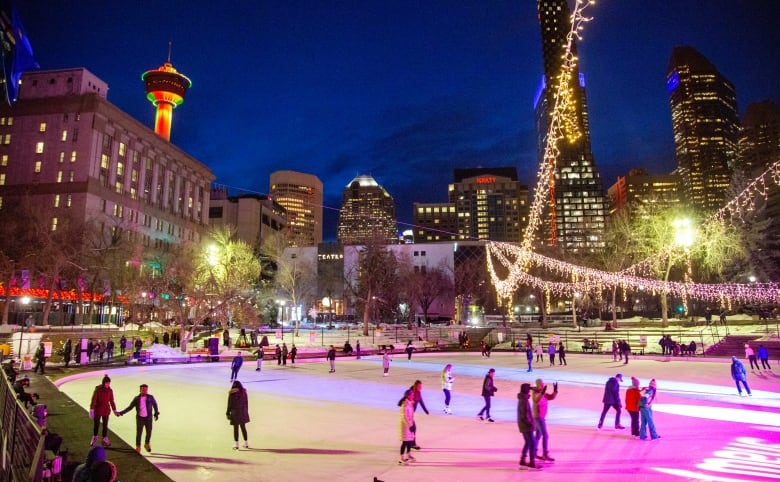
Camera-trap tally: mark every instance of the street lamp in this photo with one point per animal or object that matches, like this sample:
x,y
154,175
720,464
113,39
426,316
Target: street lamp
x,y
26,302
326,303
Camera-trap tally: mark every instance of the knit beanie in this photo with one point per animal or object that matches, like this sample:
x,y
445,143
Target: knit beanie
x,y
635,382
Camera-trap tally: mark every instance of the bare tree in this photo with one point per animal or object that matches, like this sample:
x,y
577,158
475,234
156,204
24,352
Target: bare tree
x,y
428,285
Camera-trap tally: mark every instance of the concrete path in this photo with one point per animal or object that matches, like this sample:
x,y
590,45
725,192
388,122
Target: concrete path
x,y
308,424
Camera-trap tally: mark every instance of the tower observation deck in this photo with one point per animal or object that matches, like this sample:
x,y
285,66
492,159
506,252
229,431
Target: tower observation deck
x,y
165,89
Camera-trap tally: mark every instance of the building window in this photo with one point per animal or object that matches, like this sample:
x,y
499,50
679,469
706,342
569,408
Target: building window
x,y
71,176
54,223
64,135
62,157
4,160
56,200
2,179
7,139
120,169
122,149
68,200
59,176
104,161
73,156
37,168
118,187
39,147
42,127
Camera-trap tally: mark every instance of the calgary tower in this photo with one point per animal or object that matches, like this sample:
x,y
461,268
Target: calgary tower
x,y
165,89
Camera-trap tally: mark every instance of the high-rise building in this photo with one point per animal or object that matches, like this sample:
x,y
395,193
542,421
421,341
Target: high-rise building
x,y
759,137
490,204
70,150
705,126
367,213
253,216
301,196
577,212
435,222
639,187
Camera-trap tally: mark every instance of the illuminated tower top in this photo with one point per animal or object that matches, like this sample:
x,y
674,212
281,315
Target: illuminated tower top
x,y
165,89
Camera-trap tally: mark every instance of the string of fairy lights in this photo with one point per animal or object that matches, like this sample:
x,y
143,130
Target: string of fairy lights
x,y
518,260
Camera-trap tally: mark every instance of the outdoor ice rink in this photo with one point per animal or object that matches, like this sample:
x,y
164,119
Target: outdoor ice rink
x,y
308,424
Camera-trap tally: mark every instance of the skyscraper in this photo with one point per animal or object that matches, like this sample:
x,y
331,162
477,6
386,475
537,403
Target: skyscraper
x,y
367,213
577,212
705,126
759,137
301,195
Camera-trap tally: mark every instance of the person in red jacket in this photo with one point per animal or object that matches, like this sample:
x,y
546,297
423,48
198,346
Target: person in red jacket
x,y
100,408
632,405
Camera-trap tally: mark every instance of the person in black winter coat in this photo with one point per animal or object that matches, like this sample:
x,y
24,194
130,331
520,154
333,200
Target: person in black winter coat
x,y
488,390
525,423
612,400
238,412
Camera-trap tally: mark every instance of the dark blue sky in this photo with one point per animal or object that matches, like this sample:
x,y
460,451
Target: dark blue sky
x,y
404,90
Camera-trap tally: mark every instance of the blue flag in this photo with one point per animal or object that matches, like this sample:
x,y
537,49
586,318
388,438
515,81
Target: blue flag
x,y
16,50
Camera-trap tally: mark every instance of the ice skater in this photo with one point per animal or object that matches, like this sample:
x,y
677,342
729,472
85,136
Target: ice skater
x,y
633,395
751,356
540,398
525,423
260,355
739,374
611,399
446,385
488,390
646,411
386,363
238,412
407,427
235,365
146,411
331,356
100,409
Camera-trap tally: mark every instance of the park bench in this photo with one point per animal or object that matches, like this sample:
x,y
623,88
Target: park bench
x,y
591,346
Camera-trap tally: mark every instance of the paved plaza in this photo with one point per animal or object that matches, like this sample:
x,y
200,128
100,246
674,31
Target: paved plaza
x,y
308,424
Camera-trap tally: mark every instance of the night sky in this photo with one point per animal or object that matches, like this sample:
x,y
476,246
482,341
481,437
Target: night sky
x,y
404,90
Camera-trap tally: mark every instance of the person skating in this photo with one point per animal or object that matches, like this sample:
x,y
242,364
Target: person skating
x,y
763,356
561,354
418,401
739,374
409,350
238,412
100,408
529,355
278,354
646,411
540,397
407,427
285,351
751,356
551,352
525,423
447,379
539,353
146,411
488,390
386,363
632,405
260,354
331,356
357,349
235,365
611,399
293,353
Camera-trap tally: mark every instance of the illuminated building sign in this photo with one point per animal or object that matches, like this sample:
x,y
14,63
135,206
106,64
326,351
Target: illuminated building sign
x,y
330,257
486,180
673,82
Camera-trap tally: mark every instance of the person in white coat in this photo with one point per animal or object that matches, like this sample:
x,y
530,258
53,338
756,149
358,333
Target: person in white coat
x,y
446,385
407,427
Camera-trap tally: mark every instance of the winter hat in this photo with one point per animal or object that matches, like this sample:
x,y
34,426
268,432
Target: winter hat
x,y
539,384
105,379
652,383
619,377
635,382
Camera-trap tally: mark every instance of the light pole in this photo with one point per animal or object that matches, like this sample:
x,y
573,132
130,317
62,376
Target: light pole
x,y
26,302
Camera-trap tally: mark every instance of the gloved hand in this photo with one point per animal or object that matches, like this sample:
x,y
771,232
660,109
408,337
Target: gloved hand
x,y
413,428
156,416
555,387
91,414
117,413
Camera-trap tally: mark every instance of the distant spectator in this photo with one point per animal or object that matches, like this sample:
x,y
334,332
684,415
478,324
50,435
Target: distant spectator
x,y
92,469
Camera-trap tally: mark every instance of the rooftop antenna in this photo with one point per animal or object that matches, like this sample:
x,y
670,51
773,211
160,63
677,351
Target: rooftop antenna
x,y
170,43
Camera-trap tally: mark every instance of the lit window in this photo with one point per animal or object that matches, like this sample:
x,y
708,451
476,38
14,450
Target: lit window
x,y
2,179
37,167
42,127
71,176
73,156
64,135
120,168
10,121
59,176
118,187
122,149
69,200
103,161
56,200
54,223
39,148
4,160
62,157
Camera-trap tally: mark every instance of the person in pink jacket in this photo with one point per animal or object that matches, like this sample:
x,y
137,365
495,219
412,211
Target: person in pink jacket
x,y
540,398
407,427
